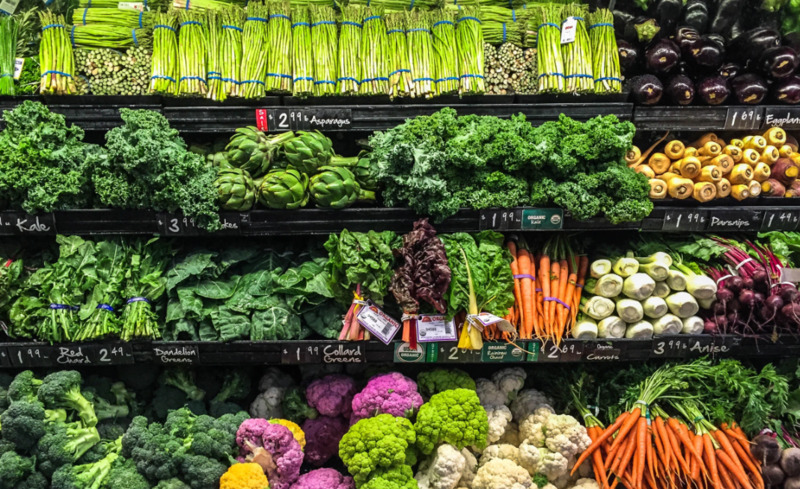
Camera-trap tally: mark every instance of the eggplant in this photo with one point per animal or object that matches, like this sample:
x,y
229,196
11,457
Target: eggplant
x,y
695,15
635,29
729,70
778,62
749,88
646,29
667,13
708,55
680,89
687,38
713,90
647,89
628,56
749,46
787,90
662,57
728,11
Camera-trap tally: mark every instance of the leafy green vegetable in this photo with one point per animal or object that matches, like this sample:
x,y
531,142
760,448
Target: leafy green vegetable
x,y
363,259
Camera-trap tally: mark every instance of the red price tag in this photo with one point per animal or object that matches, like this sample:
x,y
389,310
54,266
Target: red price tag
x,y
261,120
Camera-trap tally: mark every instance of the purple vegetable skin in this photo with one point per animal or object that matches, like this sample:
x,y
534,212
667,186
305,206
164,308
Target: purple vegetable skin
x,y
324,479
322,438
332,395
256,436
391,393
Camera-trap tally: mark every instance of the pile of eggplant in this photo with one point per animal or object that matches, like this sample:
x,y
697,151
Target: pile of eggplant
x,y
682,56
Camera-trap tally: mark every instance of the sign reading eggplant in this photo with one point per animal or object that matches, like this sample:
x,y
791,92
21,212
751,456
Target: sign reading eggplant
x,y
785,117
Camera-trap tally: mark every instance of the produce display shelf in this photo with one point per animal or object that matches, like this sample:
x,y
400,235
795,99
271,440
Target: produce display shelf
x,y
765,214
33,355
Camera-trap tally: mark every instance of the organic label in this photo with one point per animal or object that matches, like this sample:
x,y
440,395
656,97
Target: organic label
x,y
9,6
378,323
568,30
435,328
403,353
131,6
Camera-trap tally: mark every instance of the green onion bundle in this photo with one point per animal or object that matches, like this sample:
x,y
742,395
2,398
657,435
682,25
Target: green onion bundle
x,y
420,49
192,52
373,54
501,25
254,59
605,57
216,91
469,42
279,40
444,58
325,42
102,36
577,54
8,51
549,61
349,50
130,19
302,53
164,72
56,61
230,49
398,60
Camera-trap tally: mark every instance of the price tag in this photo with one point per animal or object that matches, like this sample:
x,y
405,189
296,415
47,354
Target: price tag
x,y
9,7
571,351
177,355
685,220
780,220
670,347
280,119
453,354
138,6
18,223
500,219
177,225
435,328
19,64
403,353
31,356
5,361
299,353
118,353
534,347
743,118
542,219
327,119
568,29
603,351
377,322
734,220
785,117
502,353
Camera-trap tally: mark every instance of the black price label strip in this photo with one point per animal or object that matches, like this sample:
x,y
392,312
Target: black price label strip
x,y
780,220
176,354
571,351
31,356
734,220
5,361
785,117
344,353
450,353
177,225
744,118
684,220
670,347
299,119
19,223
605,351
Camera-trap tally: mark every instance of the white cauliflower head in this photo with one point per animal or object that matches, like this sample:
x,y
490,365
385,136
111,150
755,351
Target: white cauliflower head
x,y
533,426
528,401
529,457
510,381
499,418
502,474
443,471
267,404
470,469
552,464
489,393
565,435
586,483
505,452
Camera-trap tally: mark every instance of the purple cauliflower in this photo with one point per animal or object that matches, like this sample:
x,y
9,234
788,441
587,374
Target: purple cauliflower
x,y
324,479
391,393
273,447
322,438
331,395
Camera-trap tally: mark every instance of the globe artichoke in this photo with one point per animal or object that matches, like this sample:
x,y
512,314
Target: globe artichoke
x,y
336,187
364,175
235,189
308,151
218,160
284,189
253,151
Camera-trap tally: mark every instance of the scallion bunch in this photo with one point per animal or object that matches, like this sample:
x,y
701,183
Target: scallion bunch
x,y
8,50
56,60
230,49
349,50
192,53
469,42
302,53
164,72
131,19
398,61
254,59
420,49
445,58
577,54
279,42
605,57
373,54
325,42
549,61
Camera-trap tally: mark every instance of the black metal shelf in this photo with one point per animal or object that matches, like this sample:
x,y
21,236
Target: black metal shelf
x,y
715,118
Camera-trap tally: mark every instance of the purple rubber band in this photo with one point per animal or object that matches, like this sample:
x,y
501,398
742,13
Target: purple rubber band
x,y
525,275
553,299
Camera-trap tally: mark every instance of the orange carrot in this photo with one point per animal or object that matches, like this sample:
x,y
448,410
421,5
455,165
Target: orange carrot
x,y
544,277
512,247
527,292
627,426
745,459
583,267
683,437
725,443
572,282
730,465
563,276
600,441
641,451
627,456
725,477
555,276
676,449
651,463
619,456
697,443
711,460
597,458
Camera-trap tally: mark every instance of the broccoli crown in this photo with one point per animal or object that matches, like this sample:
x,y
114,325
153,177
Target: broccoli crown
x,y
64,444
184,380
180,423
62,389
123,475
152,449
165,399
203,472
23,424
87,476
455,417
295,407
99,451
24,387
434,381
382,442
401,477
111,430
15,468
103,408
236,386
36,480
5,381
213,439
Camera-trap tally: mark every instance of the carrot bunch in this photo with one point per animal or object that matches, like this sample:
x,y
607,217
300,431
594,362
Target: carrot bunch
x,y
548,295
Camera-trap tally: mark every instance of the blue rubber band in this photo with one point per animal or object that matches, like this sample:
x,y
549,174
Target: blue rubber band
x,y
469,18
162,26
192,78
141,14
513,15
72,36
259,19
84,15
145,4
327,82
612,78
247,82
579,76
411,6
191,22
232,27
372,17
230,80
402,70
304,78
354,24
395,31
471,76
162,77
5,75
447,78
443,22
213,73
423,79
549,24
213,77
302,24
105,307
348,78
377,78
135,41
323,22
60,307
576,18
54,72
280,16
551,74
602,24
138,299
420,29
279,75
504,32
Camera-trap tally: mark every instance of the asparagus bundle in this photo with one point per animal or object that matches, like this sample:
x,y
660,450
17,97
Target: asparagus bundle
x,y
131,19
313,3
254,60
577,54
444,58
57,63
420,49
373,54
151,5
201,5
501,25
349,50
398,5
551,67
279,40
192,53
8,50
230,49
111,72
325,42
398,61
164,72
302,53
469,39
100,36
605,57
214,75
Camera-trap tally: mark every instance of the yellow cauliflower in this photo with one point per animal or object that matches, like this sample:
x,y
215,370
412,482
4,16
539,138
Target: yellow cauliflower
x,y
296,430
244,476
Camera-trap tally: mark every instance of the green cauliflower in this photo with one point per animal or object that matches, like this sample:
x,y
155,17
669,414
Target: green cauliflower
x,y
384,442
398,478
438,380
455,417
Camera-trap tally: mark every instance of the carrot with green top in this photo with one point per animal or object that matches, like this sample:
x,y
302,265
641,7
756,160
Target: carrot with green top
x,y
519,303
